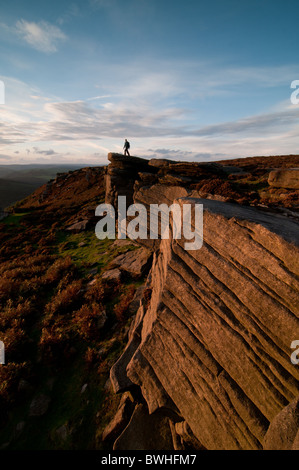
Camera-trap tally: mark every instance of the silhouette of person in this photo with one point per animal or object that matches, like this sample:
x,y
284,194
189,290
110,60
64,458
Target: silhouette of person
x,y
126,148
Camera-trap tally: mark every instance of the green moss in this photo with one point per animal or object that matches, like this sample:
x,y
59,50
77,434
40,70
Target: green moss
x,y
14,219
86,249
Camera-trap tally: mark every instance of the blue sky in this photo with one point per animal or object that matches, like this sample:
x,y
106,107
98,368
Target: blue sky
x,y
187,80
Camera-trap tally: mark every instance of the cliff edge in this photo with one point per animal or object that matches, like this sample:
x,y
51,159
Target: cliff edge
x,y
208,360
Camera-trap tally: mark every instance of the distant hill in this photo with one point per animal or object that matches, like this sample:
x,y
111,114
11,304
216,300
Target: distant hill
x,y
18,181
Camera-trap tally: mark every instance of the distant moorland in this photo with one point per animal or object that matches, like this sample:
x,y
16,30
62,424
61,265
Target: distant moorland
x,y
18,181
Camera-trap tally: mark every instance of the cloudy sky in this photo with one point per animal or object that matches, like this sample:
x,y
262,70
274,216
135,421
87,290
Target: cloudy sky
x,y
183,79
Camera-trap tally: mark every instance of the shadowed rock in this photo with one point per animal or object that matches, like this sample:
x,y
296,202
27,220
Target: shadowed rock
x,y
145,432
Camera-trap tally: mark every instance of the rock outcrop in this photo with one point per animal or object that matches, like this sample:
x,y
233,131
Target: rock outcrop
x,y
210,346
126,175
121,175
133,262
286,178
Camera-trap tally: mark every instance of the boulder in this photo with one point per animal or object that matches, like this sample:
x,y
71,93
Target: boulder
x,y
112,275
78,226
134,262
285,178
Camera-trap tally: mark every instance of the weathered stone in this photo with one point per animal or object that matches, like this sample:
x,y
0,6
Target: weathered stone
x,y
112,275
145,432
187,437
121,175
215,338
283,429
78,226
62,433
196,169
177,441
133,262
212,341
175,180
160,162
118,375
39,405
135,304
121,161
159,194
121,418
285,178
147,178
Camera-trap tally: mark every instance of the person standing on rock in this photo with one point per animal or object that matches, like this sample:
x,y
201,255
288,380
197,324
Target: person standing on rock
x,y
126,148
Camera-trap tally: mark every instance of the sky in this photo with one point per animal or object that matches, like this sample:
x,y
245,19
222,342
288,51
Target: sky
x,y
196,80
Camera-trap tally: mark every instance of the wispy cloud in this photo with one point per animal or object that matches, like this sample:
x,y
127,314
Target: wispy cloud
x,y
42,36
44,152
101,97
71,12
255,125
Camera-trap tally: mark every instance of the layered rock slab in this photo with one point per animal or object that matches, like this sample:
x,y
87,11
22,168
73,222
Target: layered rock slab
x,y
214,342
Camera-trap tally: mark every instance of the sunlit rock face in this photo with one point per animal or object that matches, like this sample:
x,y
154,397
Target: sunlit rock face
x,y
210,346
